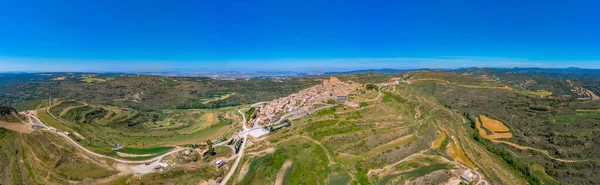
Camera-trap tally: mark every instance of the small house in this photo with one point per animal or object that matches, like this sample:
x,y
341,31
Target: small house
x,y
467,176
341,97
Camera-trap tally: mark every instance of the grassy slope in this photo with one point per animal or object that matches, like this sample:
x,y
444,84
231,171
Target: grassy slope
x,y
535,122
386,132
41,157
170,128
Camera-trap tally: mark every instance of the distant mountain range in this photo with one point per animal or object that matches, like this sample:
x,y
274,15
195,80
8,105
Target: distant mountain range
x,y
286,74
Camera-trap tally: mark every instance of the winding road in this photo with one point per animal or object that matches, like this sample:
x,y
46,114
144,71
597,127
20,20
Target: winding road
x,y
155,159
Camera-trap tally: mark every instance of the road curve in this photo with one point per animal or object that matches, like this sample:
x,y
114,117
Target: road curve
x,y
378,96
177,149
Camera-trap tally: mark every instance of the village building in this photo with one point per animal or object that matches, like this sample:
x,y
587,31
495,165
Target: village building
x,y
467,176
304,101
341,97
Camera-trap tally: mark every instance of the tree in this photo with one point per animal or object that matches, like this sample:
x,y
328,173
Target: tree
x,y
211,150
364,104
331,101
372,87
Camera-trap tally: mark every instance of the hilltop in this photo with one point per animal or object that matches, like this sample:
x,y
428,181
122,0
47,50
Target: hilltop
x,y
416,127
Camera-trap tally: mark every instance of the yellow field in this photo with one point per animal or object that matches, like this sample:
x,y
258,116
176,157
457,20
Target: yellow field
x,y
500,135
492,136
206,120
493,125
458,154
209,118
543,93
438,142
91,80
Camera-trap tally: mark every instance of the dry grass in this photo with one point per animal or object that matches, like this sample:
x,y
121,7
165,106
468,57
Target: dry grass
x,y
438,142
493,136
282,172
19,127
455,151
541,94
493,125
500,135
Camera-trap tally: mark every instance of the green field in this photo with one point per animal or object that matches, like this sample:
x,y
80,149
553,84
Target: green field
x,y
155,150
142,132
310,164
51,121
568,119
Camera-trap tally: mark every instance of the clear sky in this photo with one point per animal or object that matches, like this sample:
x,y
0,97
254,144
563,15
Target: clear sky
x,y
149,35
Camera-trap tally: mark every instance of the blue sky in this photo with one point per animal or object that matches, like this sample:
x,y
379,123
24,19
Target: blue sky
x,y
89,35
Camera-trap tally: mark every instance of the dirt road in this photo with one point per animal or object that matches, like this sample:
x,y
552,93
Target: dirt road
x,y
155,159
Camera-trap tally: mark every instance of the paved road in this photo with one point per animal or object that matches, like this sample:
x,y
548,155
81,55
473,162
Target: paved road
x,y
240,154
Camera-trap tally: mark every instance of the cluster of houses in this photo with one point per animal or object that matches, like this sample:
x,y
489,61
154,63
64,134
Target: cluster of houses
x,y
305,100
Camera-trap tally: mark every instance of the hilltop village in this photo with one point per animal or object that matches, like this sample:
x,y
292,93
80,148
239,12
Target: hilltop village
x,y
307,100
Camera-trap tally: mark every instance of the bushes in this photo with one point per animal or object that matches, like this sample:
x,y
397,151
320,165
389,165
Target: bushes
x,y
372,87
331,101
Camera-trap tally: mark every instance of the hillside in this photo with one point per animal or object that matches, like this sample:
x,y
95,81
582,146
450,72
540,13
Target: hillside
x,y
387,142
9,114
417,127
553,133
25,91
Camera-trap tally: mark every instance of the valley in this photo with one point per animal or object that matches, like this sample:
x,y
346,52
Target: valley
x,y
421,127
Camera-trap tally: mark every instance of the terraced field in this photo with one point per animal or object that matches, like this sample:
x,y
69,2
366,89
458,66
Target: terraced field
x,y
102,126
390,141
44,158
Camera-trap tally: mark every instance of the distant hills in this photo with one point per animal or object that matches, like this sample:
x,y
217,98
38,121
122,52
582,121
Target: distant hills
x,y
570,70
292,74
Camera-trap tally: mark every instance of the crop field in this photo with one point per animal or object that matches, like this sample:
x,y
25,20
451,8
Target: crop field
x,y
367,148
493,136
541,93
143,133
58,109
156,150
534,125
493,125
206,120
438,142
92,80
51,121
579,115
41,157
455,151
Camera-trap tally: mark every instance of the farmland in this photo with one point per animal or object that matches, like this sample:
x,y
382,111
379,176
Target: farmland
x,y
493,125
102,127
427,129
536,125
373,148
